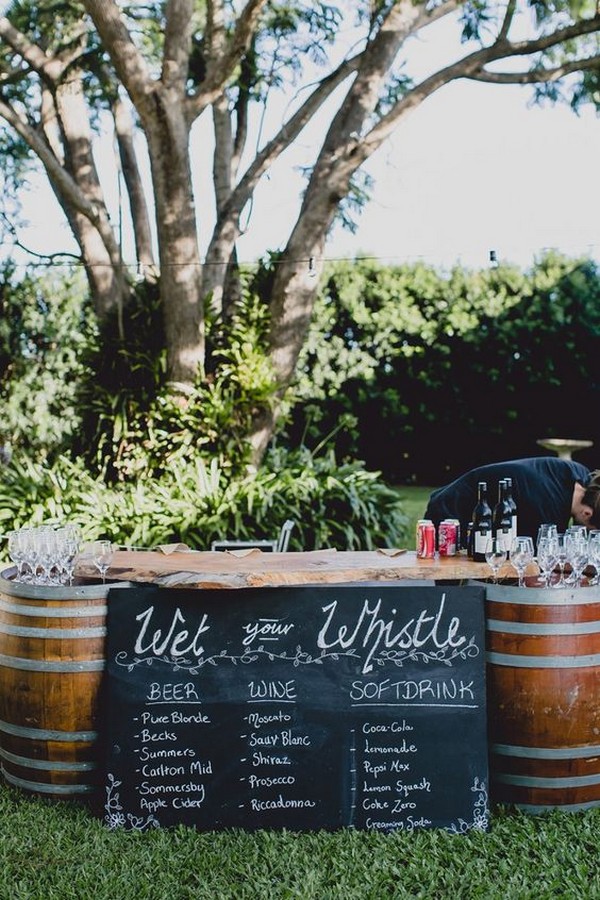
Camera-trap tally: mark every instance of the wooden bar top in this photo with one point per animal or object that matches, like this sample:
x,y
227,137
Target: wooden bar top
x,y
223,569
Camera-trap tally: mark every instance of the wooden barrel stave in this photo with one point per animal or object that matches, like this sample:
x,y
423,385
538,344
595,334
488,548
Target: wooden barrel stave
x,y
543,685
52,646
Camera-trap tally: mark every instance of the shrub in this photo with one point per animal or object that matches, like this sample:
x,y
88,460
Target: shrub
x,y
341,506
455,369
46,325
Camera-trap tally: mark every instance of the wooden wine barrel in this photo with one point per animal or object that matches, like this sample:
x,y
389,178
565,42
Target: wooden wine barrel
x,y
51,663
543,688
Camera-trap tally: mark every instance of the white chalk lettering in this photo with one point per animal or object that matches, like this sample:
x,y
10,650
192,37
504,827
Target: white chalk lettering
x,y
281,803
270,781
404,747
257,721
201,768
264,759
272,690
162,771
266,630
146,735
148,753
173,693
173,643
423,691
406,789
189,787
374,633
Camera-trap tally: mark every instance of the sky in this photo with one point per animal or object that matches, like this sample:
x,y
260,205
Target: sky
x,y
474,169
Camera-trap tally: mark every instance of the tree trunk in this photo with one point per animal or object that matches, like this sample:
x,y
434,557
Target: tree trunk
x,y
135,188
180,265
100,251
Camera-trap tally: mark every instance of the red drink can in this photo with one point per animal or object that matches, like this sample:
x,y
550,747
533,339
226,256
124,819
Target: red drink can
x,y
425,540
419,534
447,538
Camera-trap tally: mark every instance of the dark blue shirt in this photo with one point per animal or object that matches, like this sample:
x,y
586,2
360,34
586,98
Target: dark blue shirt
x,y
542,488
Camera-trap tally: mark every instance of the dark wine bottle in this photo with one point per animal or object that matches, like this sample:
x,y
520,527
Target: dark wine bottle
x,y
482,523
502,518
513,509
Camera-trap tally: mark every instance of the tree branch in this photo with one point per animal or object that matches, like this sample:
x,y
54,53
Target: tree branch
x,y
178,37
403,19
58,174
560,36
222,65
537,76
509,15
128,62
50,257
471,67
287,134
47,67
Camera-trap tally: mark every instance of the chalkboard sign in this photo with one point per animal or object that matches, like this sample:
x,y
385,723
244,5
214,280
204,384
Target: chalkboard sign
x,y
300,708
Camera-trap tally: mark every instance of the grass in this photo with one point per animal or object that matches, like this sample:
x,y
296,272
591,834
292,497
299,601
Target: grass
x,y
60,851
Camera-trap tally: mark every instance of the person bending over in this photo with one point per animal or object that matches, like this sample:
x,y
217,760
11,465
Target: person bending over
x,y
545,489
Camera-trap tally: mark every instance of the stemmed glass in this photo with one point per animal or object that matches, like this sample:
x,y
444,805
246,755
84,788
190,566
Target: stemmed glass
x,y
17,551
495,555
546,530
32,554
68,548
594,554
47,553
578,556
102,554
562,555
547,557
521,555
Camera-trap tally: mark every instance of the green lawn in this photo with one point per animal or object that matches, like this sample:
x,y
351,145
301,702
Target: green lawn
x,y
59,851
414,500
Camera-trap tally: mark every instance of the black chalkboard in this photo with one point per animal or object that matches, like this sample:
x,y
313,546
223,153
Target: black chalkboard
x,y
300,708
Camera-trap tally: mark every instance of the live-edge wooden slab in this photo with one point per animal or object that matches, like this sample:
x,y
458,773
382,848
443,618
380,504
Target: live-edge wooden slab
x,y
212,569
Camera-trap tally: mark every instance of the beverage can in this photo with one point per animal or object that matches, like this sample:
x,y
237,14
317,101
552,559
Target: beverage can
x,y
425,540
447,538
459,545
419,534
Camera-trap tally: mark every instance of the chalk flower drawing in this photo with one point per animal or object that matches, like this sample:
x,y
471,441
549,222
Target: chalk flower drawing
x,y
115,818
481,813
299,657
446,655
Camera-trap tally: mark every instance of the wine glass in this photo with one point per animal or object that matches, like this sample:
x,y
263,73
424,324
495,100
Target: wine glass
x,y
68,538
578,556
546,529
547,557
102,554
562,554
17,551
495,555
521,555
594,555
47,553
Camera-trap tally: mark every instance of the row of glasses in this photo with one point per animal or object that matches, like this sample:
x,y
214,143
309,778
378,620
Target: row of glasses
x,y
570,552
521,555
44,554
